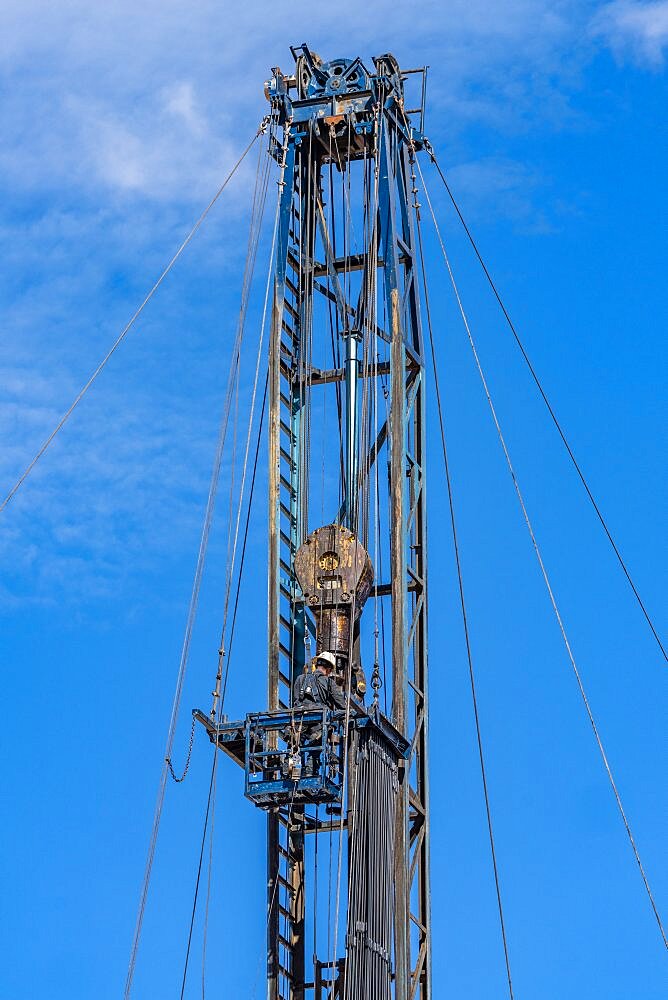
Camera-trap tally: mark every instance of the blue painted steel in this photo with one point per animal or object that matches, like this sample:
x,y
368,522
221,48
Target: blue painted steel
x,y
268,757
260,744
361,113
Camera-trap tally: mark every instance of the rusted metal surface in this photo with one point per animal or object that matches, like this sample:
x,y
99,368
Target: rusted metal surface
x,y
334,569
333,631
336,576
318,376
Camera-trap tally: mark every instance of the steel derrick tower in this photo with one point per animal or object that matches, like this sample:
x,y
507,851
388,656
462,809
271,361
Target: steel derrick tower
x,y
346,349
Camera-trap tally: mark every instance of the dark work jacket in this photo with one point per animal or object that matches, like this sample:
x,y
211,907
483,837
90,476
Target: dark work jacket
x,y
316,688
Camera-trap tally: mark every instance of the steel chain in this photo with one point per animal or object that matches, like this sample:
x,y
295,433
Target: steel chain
x,y
168,760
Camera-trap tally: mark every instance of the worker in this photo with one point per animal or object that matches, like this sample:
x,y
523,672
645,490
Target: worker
x,y
317,687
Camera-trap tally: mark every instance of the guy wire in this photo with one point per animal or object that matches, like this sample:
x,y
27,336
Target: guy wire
x,y
460,581
126,329
543,570
194,599
548,405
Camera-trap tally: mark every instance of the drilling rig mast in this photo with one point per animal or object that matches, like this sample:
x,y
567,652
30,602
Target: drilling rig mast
x,y
346,386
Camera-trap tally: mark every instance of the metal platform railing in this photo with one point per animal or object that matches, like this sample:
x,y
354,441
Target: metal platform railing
x,y
295,756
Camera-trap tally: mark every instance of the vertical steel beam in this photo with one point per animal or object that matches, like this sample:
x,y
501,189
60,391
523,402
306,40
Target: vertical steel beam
x,y
416,550
276,336
274,575
408,562
388,235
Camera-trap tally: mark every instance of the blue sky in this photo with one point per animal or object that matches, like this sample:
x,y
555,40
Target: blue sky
x,y
117,126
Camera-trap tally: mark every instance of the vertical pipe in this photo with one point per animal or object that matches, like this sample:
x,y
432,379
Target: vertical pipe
x,y
398,514
352,458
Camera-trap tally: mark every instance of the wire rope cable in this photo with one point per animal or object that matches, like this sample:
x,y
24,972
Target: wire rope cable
x,y
128,326
543,570
462,602
232,553
185,649
220,689
548,405
199,870
209,816
219,695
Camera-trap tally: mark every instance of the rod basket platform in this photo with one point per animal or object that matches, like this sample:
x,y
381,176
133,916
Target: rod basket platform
x,y
294,756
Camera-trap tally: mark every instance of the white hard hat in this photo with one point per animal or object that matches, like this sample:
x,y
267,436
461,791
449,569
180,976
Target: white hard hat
x,y
326,657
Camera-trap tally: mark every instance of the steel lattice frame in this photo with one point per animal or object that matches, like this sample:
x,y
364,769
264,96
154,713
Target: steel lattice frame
x,y
295,285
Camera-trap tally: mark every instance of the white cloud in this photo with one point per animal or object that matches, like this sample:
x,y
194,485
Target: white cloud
x,y
121,489
162,148
636,29
154,98
180,101
120,158
118,122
